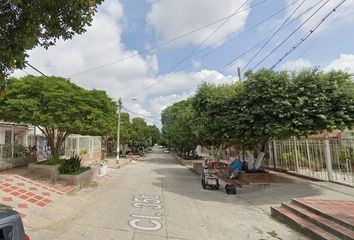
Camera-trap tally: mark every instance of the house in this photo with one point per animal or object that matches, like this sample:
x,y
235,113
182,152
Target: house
x,y
21,144
14,141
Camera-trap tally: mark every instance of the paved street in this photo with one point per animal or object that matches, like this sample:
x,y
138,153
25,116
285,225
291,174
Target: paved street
x,y
159,199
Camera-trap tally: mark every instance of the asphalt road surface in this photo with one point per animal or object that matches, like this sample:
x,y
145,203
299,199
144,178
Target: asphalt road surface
x,y
156,198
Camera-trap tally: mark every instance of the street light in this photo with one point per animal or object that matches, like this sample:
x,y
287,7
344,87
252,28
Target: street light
x,y
118,129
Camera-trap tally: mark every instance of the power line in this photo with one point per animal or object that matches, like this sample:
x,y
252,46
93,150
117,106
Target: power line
x,y
34,68
257,44
308,34
162,44
318,37
291,34
147,116
273,35
257,24
196,48
148,120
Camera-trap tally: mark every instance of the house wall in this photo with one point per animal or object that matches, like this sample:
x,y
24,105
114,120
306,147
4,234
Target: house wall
x,y
2,135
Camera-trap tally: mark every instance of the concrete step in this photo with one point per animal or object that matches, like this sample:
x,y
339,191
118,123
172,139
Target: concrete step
x,y
302,225
322,222
333,218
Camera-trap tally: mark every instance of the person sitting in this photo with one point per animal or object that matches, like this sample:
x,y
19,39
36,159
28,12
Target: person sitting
x,y
235,168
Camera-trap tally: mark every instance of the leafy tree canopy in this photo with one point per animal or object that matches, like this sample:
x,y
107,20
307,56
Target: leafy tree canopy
x,y
141,133
266,105
155,134
25,24
179,126
58,107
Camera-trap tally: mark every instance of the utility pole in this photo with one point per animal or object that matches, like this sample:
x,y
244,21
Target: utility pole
x,y
118,129
239,73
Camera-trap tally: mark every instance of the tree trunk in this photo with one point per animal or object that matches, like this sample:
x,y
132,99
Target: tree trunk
x,y
250,159
55,139
104,147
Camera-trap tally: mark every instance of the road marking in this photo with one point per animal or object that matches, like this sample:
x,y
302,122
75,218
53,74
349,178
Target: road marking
x,y
143,222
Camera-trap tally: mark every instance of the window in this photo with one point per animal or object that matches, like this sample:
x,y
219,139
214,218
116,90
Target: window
x,y
6,233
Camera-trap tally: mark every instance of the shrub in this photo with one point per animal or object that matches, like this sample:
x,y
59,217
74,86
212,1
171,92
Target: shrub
x,y
288,159
19,151
346,154
53,160
71,165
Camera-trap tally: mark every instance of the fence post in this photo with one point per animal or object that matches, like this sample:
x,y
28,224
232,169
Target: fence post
x,y
308,154
275,157
296,156
328,159
12,140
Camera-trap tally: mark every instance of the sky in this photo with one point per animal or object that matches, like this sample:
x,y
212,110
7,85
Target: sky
x,y
152,53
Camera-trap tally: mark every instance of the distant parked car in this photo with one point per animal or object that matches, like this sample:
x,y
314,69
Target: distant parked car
x,y
11,226
166,150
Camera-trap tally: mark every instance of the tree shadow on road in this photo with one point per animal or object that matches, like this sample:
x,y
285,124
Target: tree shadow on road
x,y
179,180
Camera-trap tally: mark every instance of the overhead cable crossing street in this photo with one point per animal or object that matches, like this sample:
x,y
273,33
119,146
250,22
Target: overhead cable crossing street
x,y
290,35
307,35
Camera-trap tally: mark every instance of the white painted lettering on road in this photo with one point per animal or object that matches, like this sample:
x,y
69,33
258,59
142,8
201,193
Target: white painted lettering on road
x,y
143,222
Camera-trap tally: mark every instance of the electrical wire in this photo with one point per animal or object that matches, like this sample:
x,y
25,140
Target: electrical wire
x,y
162,44
273,35
257,24
36,69
290,35
193,51
317,38
251,49
306,36
143,115
255,46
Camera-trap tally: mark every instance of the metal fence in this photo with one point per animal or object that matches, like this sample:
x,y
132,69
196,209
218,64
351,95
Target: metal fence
x,y
82,145
5,151
330,160
9,151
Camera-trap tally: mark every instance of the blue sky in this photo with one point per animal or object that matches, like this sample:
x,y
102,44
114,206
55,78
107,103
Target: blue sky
x,y
149,82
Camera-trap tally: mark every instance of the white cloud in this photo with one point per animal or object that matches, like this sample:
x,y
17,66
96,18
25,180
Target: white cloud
x,y
171,18
162,102
345,62
196,64
138,109
344,14
296,65
99,45
179,82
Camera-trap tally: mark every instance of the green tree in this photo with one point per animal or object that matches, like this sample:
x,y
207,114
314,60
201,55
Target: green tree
x,y
266,105
263,108
214,115
58,108
141,136
25,24
179,127
155,134
321,102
